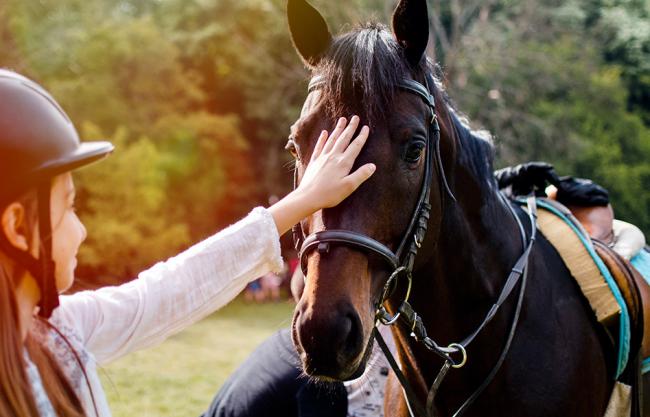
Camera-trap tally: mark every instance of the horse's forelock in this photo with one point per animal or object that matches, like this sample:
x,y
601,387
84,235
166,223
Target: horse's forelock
x,y
362,70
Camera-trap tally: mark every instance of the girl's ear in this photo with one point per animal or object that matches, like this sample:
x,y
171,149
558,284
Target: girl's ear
x,y
411,29
309,31
13,223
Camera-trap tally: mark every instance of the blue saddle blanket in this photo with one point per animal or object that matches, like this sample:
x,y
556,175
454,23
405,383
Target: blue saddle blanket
x,y
642,264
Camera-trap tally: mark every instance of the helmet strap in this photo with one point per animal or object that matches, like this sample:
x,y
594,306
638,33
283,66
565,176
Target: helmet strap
x,y
47,280
43,268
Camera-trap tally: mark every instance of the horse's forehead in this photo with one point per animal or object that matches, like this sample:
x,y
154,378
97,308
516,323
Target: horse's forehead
x,y
406,115
311,103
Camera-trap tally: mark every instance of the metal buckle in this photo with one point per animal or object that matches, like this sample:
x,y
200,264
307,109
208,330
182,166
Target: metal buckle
x,y
459,348
381,314
385,318
418,244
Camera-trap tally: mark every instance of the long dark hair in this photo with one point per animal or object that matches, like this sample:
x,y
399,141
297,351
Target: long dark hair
x,y
16,394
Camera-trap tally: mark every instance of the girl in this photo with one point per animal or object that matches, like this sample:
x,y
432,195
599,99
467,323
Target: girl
x,y
51,345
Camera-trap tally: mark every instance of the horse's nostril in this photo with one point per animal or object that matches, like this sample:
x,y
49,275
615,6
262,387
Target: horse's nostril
x,y
352,344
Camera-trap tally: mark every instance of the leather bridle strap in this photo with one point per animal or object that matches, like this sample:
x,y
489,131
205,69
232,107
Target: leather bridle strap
x,y
321,241
414,322
406,386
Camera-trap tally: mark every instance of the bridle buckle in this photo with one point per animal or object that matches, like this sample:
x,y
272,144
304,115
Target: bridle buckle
x,y
417,243
382,314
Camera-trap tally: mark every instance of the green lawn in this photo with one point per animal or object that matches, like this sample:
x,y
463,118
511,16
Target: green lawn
x,y
180,377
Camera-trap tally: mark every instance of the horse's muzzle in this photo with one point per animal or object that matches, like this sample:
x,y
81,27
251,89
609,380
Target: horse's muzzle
x,y
330,341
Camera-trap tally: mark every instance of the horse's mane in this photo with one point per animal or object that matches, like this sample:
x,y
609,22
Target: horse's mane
x,y
477,146
362,71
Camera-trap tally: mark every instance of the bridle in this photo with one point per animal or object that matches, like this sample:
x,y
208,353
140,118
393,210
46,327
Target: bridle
x,y
402,261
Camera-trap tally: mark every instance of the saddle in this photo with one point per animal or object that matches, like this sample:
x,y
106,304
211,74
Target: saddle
x,y
635,291
618,295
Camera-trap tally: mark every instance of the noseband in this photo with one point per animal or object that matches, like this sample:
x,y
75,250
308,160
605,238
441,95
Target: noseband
x,y
401,261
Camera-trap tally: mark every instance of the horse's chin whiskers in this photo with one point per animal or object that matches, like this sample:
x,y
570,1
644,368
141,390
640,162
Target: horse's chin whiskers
x,y
290,165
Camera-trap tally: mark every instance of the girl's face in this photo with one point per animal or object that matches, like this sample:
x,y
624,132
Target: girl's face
x,y
67,230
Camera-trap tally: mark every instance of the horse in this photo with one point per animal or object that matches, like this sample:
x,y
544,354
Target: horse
x,y
551,354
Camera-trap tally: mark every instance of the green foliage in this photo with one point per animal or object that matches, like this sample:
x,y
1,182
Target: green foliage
x,y
199,96
624,30
205,158
122,203
547,92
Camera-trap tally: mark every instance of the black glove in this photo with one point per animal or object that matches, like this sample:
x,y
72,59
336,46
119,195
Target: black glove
x,y
581,192
528,177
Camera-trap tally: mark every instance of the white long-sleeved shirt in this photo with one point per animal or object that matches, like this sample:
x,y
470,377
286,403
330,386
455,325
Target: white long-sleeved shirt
x,y
106,324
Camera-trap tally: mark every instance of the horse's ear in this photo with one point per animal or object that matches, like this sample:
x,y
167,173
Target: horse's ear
x,y
411,28
309,31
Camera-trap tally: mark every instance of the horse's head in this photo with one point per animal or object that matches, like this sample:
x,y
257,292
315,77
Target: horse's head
x,y
361,72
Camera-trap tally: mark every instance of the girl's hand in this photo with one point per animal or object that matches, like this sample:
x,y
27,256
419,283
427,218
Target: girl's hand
x,y
327,180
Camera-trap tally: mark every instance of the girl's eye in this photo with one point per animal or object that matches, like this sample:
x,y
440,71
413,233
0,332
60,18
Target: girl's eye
x,y
292,148
414,152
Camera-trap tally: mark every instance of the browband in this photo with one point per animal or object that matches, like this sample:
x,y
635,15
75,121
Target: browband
x,y
411,86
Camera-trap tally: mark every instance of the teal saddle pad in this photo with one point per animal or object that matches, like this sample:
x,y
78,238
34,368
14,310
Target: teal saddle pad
x,y
642,263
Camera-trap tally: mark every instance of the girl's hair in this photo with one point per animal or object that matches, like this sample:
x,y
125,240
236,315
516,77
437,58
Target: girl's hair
x,y
16,394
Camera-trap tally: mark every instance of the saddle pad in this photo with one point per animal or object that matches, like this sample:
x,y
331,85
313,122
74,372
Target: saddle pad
x,y
642,264
583,268
589,271
620,402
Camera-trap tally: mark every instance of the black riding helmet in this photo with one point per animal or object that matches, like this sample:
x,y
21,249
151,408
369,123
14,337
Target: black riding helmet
x,y
37,142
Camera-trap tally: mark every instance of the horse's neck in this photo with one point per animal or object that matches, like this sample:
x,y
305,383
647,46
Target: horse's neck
x,y
477,248
478,244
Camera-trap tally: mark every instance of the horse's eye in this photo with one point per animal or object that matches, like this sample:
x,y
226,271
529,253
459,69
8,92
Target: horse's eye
x,y
413,152
292,148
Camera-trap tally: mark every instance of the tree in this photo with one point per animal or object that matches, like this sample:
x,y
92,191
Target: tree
x,y
123,203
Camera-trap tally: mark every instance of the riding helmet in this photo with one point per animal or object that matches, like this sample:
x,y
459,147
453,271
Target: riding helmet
x,y
37,142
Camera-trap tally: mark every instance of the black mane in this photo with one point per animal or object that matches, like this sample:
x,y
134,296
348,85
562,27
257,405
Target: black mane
x,y
477,151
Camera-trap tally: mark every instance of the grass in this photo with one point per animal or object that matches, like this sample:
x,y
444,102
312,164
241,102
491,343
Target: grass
x,y
180,377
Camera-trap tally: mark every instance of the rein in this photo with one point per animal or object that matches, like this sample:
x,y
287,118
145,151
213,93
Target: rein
x,y
403,259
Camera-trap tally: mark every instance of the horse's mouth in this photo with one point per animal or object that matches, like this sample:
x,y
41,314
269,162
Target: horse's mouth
x,y
330,371
344,374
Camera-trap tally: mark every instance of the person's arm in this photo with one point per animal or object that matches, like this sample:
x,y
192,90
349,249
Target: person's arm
x,y
172,295
628,238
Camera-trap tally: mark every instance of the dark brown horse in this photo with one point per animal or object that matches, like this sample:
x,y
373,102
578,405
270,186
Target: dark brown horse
x,y
557,364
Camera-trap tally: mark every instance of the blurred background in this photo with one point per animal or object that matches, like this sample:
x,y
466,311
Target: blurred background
x,y
198,96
